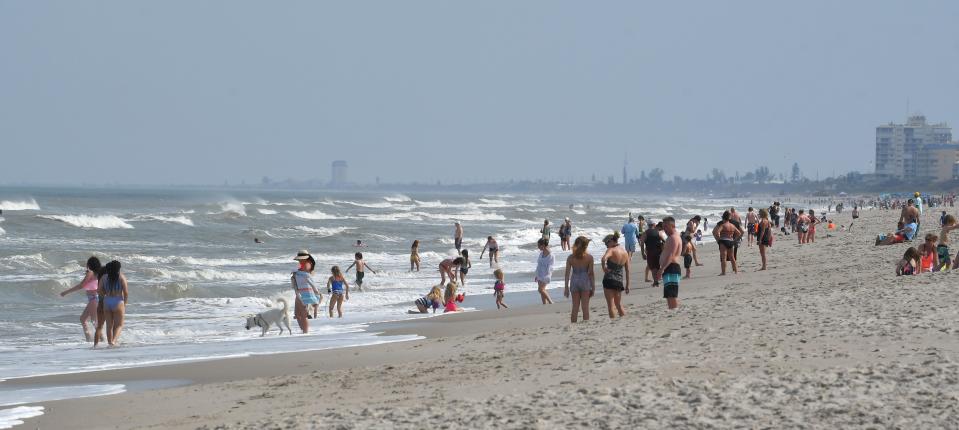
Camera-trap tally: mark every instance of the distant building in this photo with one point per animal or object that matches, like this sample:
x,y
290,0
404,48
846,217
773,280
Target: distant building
x,y
914,150
338,177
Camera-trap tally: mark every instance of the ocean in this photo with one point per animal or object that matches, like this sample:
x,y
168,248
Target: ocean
x,y
195,272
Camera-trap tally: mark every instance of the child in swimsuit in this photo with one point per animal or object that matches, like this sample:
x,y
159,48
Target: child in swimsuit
x,y
415,256
910,260
339,290
361,267
688,257
465,267
948,224
928,252
499,288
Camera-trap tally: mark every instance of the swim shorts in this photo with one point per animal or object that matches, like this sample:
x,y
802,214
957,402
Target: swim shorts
x,y
671,277
458,242
464,270
652,260
687,261
359,277
308,298
630,247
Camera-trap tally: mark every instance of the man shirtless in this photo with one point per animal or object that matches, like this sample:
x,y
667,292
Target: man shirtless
x,y
669,262
691,227
751,221
910,214
458,236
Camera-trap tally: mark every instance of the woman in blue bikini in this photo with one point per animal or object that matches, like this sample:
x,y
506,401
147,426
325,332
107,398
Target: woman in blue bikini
x,y
113,299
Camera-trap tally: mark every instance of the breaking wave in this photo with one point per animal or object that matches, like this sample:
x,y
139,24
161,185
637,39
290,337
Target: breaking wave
x,y
103,222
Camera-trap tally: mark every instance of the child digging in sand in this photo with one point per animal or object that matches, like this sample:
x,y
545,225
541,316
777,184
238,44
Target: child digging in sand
x,y
910,260
499,289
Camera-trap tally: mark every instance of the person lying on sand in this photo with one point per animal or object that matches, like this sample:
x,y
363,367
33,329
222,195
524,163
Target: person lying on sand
x,y
905,232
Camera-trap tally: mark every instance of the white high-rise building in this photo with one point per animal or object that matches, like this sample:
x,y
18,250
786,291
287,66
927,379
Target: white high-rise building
x,y
338,177
910,151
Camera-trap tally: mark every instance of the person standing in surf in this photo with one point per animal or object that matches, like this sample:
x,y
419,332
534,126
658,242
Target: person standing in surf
x,y
415,256
545,231
113,294
89,285
306,292
544,270
565,232
361,267
457,236
493,248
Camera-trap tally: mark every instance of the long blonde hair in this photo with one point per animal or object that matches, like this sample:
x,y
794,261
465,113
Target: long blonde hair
x,y
436,293
450,293
579,246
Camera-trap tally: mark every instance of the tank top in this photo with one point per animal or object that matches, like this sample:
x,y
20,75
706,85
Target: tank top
x,y
654,243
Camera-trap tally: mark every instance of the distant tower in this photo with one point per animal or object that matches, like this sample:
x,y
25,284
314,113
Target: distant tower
x,y
338,178
624,168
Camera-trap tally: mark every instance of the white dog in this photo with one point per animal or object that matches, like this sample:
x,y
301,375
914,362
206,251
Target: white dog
x,y
266,319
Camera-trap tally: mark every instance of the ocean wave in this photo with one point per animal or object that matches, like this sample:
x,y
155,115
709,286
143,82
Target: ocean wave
x,y
29,261
19,205
168,219
103,222
398,198
323,231
2,231
382,205
233,207
158,273
267,211
315,215
200,261
12,417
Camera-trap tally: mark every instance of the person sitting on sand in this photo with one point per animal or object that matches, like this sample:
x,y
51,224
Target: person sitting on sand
x,y
580,281
450,298
433,300
493,248
928,252
905,232
499,288
909,262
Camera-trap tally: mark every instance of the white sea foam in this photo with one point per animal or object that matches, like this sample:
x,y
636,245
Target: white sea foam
x,y
398,198
213,275
90,221
323,231
29,261
49,394
168,219
232,207
380,205
316,215
211,262
19,205
267,211
15,416
2,231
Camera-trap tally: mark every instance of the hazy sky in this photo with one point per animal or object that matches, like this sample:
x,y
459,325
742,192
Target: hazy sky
x,y
203,91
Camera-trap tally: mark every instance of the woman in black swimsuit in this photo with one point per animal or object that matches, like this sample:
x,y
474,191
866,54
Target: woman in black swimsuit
x,y
764,235
726,235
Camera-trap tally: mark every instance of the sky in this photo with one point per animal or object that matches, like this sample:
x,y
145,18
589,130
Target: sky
x,y
187,92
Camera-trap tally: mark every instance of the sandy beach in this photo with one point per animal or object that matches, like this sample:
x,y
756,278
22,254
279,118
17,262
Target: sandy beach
x,y
828,337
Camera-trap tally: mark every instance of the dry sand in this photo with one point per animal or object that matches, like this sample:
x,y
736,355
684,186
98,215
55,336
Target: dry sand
x,y
827,338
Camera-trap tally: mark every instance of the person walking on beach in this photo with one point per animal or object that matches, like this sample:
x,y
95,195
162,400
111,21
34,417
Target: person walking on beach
x,y
580,281
493,248
448,268
651,245
361,266
545,231
499,288
415,256
811,234
306,292
629,236
114,294
338,289
692,229
457,236
764,235
544,270
726,235
615,264
918,204
751,221
465,267
565,231
89,285
670,271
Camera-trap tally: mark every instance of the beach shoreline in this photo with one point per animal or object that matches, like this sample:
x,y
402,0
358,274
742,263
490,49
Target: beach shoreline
x,y
820,339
